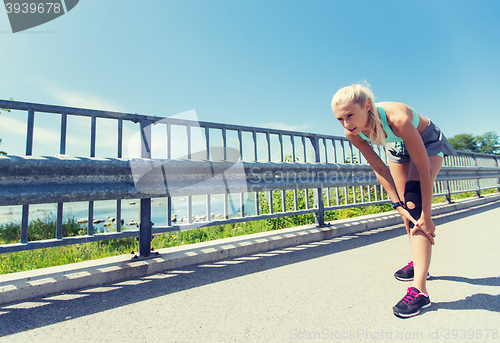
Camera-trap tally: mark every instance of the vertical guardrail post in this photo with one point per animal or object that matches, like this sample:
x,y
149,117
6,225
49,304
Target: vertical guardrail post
x,y
257,200
304,151
335,160
120,139
326,150
271,194
351,153
90,219
24,224
280,140
224,157
59,220
242,195
295,191
169,211
304,148
169,141
169,156
29,134
189,156
342,149
478,187
118,221
62,151
447,184
282,158
29,152
93,128
145,226
498,181
207,157
318,192
62,141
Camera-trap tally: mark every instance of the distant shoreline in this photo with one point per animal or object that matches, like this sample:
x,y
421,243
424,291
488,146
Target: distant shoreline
x,y
106,210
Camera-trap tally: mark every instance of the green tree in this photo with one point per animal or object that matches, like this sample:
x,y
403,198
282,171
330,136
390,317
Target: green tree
x,y
488,143
354,159
464,142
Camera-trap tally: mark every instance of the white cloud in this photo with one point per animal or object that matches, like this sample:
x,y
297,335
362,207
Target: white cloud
x,y
41,136
47,126
15,126
64,97
283,126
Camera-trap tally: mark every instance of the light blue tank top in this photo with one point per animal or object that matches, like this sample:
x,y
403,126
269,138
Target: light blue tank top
x,y
391,137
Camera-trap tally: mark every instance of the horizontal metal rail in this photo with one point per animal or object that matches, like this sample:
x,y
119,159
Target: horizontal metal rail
x,y
37,180
137,118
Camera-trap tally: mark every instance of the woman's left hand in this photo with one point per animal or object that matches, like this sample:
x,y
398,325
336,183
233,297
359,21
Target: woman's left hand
x,y
427,227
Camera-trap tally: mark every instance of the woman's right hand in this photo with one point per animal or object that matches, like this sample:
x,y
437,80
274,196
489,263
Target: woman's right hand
x,y
407,218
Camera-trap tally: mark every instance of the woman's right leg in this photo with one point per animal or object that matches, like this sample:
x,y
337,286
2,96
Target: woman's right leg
x,y
420,244
399,172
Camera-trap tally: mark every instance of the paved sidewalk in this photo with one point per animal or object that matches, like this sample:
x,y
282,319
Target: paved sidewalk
x,y
339,289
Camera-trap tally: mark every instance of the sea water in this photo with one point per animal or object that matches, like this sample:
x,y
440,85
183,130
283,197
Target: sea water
x,y
130,213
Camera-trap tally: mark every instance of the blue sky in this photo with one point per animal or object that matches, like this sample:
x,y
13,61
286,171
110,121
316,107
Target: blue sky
x,y
259,63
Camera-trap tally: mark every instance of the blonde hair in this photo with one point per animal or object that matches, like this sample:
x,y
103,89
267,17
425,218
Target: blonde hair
x,y
358,94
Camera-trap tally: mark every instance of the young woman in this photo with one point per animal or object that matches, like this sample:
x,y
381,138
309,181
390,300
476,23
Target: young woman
x,y
415,149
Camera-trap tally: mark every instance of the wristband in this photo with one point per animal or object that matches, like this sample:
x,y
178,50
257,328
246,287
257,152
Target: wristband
x,y
397,204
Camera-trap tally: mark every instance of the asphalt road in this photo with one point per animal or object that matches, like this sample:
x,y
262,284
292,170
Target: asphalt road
x,y
336,290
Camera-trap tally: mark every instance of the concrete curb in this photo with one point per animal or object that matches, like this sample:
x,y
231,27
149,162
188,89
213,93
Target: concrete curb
x,y
30,284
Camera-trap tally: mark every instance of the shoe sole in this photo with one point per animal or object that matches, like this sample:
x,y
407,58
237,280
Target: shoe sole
x,y
402,315
402,279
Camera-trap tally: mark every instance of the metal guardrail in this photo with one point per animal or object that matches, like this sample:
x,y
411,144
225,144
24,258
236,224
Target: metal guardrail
x,y
37,180
28,180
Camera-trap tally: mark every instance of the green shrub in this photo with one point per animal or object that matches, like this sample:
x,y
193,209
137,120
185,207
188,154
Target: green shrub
x,y
39,230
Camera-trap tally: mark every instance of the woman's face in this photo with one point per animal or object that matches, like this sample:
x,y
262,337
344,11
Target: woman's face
x,y
353,117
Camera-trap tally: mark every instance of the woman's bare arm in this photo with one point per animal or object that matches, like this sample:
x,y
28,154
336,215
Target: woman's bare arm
x,y
381,171
398,116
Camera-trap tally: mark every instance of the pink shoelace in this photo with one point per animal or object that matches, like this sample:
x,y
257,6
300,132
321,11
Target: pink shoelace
x,y
409,265
410,296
